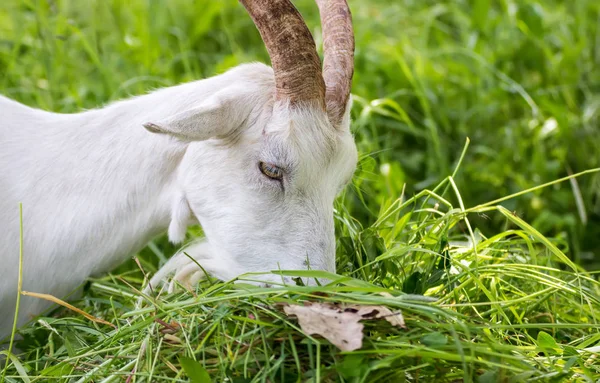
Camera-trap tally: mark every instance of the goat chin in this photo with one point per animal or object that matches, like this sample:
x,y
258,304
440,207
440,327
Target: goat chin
x,y
96,186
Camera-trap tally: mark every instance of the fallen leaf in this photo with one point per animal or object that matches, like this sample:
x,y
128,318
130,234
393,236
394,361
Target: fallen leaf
x,y
172,339
168,328
395,318
340,324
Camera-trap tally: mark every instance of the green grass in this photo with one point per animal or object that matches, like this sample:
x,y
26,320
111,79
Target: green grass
x,y
495,285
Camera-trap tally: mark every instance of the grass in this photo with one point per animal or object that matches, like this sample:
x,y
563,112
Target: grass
x,y
495,284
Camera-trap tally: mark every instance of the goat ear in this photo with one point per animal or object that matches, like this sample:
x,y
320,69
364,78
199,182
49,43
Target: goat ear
x,y
218,116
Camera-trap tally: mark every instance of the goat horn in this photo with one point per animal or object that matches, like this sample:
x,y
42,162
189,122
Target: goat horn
x,y
292,50
338,64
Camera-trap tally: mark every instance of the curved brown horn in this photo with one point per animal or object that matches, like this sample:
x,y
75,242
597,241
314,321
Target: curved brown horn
x,y
292,50
338,47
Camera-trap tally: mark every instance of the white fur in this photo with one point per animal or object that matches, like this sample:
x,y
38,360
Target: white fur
x,y
96,186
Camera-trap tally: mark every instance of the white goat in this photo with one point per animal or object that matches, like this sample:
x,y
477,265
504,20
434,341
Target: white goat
x,y
255,155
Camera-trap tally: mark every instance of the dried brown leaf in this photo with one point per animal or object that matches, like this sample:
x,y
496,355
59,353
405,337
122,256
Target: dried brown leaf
x,y
340,324
173,339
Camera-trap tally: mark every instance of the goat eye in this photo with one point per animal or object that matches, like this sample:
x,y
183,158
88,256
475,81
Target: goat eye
x,y
271,171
